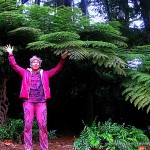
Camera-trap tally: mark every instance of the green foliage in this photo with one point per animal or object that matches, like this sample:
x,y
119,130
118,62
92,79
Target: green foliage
x,y
110,135
60,37
69,19
136,86
10,21
1,55
4,67
24,35
104,32
138,91
97,44
101,53
39,17
9,5
145,49
13,129
54,20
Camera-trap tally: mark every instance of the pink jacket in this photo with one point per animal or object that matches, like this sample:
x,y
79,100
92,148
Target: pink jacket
x,y
26,74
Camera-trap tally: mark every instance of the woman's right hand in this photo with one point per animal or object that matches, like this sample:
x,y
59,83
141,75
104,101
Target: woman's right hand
x,y
9,49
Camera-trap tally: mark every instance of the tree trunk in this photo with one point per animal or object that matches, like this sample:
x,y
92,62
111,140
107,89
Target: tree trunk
x,y
106,3
125,8
63,2
145,11
84,6
3,102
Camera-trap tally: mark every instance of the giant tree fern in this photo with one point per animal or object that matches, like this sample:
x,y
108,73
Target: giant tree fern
x,y
101,53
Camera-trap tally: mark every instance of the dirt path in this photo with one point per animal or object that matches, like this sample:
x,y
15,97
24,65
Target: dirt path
x,y
60,143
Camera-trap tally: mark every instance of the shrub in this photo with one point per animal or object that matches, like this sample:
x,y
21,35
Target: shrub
x,y
110,135
13,129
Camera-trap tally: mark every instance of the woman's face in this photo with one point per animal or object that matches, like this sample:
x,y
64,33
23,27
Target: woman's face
x,y
35,65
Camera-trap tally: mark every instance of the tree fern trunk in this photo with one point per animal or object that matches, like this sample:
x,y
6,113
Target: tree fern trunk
x,y
3,102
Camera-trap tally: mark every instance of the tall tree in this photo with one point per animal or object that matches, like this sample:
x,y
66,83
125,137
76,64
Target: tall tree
x,y
145,11
63,2
10,19
84,6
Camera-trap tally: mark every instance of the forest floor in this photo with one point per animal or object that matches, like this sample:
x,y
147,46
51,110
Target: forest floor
x,y
59,143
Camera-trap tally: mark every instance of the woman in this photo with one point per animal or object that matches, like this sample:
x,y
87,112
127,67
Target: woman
x,y
35,90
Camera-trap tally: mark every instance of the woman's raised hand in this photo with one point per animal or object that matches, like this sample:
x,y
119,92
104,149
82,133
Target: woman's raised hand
x,y
9,49
65,55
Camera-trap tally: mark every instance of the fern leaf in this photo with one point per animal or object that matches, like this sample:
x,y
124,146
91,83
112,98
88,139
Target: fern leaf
x,y
140,104
127,90
148,109
40,45
134,97
70,44
97,44
76,54
59,37
146,103
139,99
97,54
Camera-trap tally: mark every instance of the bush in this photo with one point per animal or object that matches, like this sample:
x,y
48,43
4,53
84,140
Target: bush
x,y
13,129
111,136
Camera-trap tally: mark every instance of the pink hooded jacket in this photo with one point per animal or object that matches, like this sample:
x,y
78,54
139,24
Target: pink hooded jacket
x,y
26,75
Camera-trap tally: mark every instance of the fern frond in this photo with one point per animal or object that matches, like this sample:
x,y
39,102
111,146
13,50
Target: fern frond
x,y
79,53
119,71
143,48
114,61
70,44
148,109
105,29
139,76
40,45
97,56
136,98
59,37
141,89
139,99
127,90
146,103
98,44
25,30
119,43
147,83
140,104
128,56
138,91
